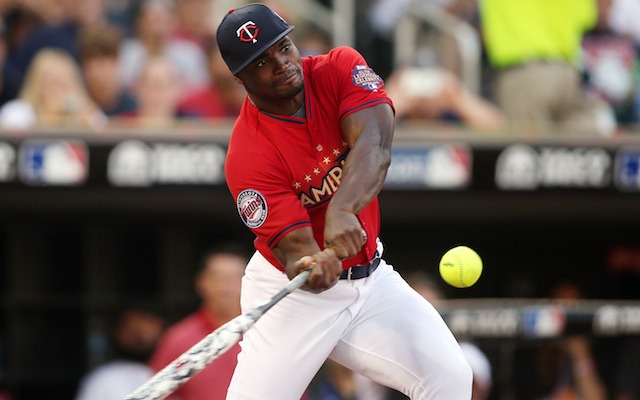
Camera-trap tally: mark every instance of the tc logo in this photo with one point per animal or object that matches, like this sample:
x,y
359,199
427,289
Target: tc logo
x,y
248,32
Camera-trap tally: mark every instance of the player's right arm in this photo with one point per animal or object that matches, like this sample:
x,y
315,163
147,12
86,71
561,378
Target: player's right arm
x,y
298,251
286,226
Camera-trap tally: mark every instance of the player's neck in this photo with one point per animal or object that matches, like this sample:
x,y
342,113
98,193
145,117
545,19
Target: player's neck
x,y
289,107
301,113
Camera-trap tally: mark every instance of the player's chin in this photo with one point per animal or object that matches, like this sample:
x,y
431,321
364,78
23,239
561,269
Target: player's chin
x,y
290,87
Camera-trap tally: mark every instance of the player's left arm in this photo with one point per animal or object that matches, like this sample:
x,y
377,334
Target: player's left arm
x,y
369,133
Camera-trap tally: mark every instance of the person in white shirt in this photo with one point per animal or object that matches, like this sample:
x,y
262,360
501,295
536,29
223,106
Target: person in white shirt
x,y
135,334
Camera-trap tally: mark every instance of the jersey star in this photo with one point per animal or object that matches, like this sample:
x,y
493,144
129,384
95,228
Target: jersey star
x,y
326,160
336,152
297,185
307,178
316,171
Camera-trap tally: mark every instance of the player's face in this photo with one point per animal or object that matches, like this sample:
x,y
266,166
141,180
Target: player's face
x,y
276,74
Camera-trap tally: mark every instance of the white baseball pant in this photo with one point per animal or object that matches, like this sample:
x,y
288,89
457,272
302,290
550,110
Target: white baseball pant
x,y
377,326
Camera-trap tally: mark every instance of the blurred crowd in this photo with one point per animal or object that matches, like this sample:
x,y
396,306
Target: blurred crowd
x,y
146,63
152,63
547,67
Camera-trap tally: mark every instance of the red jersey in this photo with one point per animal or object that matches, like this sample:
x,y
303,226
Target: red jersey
x,y
213,381
282,171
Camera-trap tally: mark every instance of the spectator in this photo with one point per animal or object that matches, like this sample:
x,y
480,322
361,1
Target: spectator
x,y
481,368
570,364
383,17
622,19
433,93
426,286
20,19
99,52
312,41
154,24
53,94
337,383
223,97
534,46
194,22
119,13
63,21
9,77
218,285
157,92
135,333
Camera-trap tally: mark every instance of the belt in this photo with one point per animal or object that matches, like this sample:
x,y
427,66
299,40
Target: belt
x,y
360,271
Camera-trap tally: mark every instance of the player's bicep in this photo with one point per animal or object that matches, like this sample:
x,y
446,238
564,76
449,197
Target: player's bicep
x,y
376,122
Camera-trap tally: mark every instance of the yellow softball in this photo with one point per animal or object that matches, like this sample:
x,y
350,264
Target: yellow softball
x,y
461,267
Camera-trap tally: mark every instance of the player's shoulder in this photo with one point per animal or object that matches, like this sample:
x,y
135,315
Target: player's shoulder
x,y
338,55
344,54
247,142
245,129
344,51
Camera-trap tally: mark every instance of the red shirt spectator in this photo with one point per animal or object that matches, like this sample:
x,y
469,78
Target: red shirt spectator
x,y
218,285
222,98
207,103
212,382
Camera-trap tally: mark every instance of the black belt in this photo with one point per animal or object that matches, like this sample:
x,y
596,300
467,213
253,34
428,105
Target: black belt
x,y
360,271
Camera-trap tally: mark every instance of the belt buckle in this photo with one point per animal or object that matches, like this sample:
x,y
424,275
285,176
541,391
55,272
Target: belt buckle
x,y
349,273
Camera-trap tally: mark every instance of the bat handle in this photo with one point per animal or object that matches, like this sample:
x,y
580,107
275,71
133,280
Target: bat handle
x,y
293,284
298,280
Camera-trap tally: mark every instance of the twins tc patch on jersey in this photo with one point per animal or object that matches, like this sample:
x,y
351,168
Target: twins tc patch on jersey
x,y
366,78
252,208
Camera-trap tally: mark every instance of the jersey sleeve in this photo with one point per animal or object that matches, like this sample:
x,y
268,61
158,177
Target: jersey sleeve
x,y
358,85
265,200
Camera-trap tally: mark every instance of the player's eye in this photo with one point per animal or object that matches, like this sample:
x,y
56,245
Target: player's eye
x,y
261,63
286,48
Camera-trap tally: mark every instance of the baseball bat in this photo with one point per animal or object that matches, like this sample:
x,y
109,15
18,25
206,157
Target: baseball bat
x,y
212,346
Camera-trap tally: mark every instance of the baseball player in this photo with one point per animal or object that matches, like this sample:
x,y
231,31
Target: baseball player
x,y
307,158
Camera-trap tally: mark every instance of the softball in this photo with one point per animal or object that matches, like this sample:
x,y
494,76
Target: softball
x,y
460,267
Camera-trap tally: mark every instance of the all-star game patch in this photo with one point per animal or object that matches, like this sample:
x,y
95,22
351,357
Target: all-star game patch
x,y
364,77
252,208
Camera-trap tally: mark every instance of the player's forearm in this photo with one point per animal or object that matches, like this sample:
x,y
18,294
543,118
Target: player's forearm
x,y
364,173
294,245
298,251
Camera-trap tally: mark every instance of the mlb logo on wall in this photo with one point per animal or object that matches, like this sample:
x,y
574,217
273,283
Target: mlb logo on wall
x,y
438,166
53,162
543,321
627,169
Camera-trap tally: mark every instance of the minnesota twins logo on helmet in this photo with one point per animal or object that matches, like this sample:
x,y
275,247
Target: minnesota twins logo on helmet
x,y
366,78
248,32
252,208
